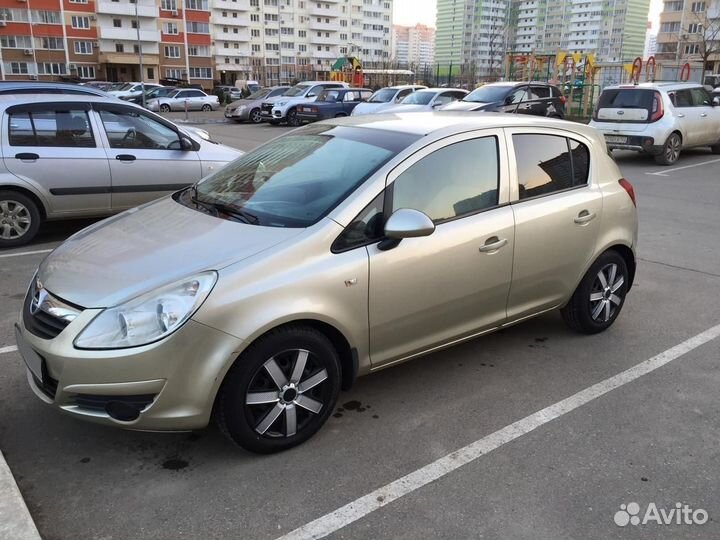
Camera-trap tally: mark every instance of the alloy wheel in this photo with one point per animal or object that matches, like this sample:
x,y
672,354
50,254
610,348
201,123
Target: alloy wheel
x,y
604,297
286,393
672,149
15,220
255,116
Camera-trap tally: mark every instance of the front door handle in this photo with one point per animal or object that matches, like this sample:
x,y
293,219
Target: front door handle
x,y
681,115
492,244
703,115
125,157
585,217
27,156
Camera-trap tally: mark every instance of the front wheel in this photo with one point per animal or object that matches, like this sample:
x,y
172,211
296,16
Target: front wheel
x,y
599,298
292,118
280,391
670,151
19,219
206,108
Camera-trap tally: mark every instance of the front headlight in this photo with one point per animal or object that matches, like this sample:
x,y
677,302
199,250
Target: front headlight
x,y
241,109
149,317
281,103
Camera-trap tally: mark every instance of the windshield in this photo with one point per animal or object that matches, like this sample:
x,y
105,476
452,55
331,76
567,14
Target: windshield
x,y
297,90
488,94
297,179
259,94
419,98
383,96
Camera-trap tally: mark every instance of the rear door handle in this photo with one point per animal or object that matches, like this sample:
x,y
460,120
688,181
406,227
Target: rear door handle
x,y
681,115
584,217
125,157
27,156
703,115
492,244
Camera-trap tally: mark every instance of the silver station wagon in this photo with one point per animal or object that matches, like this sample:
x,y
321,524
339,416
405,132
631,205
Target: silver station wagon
x,y
83,156
339,249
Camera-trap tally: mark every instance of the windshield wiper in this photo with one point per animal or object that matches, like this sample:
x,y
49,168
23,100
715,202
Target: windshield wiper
x,y
233,211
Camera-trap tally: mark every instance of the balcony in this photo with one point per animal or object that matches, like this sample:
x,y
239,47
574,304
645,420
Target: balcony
x,y
116,8
323,12
128,58
331,26
239,5
240,20
232,52
322,40
129,34
242,35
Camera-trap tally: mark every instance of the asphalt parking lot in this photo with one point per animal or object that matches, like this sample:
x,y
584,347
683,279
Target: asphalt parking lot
x,y
650,436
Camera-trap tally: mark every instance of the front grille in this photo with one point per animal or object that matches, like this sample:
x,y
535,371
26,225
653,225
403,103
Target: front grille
x,y
47,385
98,403
42,323
267,108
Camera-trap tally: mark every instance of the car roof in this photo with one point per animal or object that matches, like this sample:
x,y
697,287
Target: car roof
x,y
10,99
22,85
450,89
658,85
425,123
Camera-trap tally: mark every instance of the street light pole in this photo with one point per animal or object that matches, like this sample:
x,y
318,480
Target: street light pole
x,y
142,77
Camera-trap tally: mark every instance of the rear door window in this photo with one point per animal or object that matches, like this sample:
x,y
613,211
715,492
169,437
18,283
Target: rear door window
x,y
683,98
549,163
53,128
541,92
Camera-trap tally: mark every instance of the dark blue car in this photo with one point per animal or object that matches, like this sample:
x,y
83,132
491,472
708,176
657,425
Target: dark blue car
x,y
333,103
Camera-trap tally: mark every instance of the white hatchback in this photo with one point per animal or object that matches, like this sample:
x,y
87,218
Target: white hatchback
x,y
660,119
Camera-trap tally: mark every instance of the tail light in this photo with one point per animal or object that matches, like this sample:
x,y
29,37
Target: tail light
x,y
563,100
627,186
657,108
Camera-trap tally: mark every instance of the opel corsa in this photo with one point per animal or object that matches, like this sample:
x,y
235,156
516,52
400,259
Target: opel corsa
x,y
334,251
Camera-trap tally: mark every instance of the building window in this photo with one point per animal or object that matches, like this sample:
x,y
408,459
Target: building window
x,y
16,42
168,5
170,28
198,50
86,72
119,47
172,51
46,17
200,73
78,1
151,73
17,68
194,27
80,22
117,23
197,5
134,24
52,43
48,68
173,74
83,47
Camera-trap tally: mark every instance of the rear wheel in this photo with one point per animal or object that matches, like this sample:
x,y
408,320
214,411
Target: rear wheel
x,y
671,150
164,108
280,391
19,219
255,116
600,296
715,149
292,118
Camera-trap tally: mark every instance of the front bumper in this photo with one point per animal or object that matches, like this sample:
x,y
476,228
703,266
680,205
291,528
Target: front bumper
x,y
235,115
154,106
172,383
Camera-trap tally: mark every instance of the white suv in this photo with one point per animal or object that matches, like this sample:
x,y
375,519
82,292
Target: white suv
x,y
658,118
284,108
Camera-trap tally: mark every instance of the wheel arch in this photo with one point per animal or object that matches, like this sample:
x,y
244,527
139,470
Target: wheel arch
x,y
627,254
28,193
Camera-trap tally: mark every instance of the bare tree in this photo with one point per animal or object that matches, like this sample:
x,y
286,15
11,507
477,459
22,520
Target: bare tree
x,y
499,36
705,31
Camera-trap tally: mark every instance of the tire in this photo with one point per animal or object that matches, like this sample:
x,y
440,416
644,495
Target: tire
x,y
340,115
670,151
595,306
206,108
266,426
19,219
292,118
715,149
164,108
255,116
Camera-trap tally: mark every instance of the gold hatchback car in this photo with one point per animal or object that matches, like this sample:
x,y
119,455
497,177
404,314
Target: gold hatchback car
x,y
336,250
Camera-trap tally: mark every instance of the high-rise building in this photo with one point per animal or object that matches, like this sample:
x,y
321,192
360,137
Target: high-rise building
x,y
413,45
200,41
479,32
685,27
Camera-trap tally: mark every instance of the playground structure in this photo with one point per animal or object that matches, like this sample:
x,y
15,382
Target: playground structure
x,y
581,77
347,69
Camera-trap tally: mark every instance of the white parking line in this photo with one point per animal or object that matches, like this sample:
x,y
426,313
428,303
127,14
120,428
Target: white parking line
x,y
11,348
15,520
25,253
359,508
664,172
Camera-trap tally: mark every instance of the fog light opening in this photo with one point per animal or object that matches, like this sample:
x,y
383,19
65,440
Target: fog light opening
x,y
123,412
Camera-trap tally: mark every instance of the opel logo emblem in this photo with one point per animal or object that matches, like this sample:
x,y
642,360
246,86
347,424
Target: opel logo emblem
x,y
38,299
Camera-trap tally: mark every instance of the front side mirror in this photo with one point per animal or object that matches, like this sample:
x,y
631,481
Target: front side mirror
x,y
408,223
716,101
185,143
311,94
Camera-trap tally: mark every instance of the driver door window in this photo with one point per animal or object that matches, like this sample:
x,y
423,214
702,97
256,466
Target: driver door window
x,y
402,94
132,130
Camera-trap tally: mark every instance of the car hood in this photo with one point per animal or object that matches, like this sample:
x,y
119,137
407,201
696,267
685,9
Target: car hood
x,y
370,108
144,248
465,106
406,108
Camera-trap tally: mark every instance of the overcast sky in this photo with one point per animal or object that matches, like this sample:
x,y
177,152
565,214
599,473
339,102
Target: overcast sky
x,y
410,12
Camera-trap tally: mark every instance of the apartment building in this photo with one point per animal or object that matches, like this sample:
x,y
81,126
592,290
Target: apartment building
x,y
197,40
685,27
480,31
413,45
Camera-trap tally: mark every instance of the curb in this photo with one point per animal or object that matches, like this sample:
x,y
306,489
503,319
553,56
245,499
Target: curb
x,y
15,520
